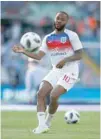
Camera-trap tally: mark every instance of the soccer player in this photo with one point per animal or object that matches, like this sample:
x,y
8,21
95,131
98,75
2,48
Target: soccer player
x,y
65,50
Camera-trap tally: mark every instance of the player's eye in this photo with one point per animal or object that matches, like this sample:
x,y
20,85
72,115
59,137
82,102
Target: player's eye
x,y
63,19
60,19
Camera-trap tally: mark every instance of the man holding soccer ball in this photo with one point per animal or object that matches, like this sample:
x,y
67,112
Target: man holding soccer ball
x,y
65,51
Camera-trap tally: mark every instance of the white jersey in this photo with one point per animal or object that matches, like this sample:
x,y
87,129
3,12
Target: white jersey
x,y
62,45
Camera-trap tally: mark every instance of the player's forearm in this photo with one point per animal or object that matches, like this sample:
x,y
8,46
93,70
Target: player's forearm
x,y
32,55
76,56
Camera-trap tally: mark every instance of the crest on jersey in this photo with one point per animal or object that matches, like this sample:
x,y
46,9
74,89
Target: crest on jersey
x,y
63,39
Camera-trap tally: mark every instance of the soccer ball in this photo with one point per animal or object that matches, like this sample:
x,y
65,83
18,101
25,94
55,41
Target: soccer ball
x,y
30,41
72,117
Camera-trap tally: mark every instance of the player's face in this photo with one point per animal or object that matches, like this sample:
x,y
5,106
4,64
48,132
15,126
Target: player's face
x,y
60,21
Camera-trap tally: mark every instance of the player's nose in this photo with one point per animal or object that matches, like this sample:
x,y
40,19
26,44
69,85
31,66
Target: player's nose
x,y
58,22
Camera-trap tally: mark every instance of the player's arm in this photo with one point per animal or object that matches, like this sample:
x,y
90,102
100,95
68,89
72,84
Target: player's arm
x,y
37,56
77,56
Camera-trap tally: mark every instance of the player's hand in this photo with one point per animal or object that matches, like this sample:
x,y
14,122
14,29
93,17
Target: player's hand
x,y
61,64
18,49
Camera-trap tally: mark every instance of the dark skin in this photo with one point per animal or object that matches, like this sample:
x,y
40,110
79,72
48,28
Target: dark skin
x,y
76,56
60,22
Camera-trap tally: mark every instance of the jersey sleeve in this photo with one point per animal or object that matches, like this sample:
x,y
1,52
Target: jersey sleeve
x,y
76,43
44,47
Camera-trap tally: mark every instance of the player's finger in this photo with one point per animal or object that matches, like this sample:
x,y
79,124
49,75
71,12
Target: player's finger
x,y
15,46
15,49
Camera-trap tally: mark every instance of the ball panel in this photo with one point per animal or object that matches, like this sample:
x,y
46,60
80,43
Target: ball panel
x,y
28,43
71,115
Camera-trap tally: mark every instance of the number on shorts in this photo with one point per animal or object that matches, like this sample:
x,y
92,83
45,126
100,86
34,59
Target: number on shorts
x,y
66,78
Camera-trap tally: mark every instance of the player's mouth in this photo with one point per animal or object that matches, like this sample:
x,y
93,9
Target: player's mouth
x,y
58,25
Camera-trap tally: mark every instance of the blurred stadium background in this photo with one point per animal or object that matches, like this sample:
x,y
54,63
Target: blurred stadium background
x,y
20,76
